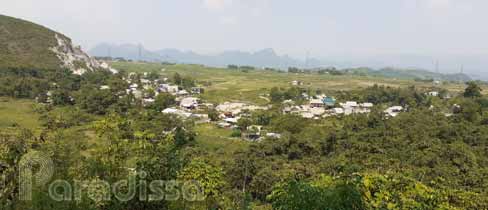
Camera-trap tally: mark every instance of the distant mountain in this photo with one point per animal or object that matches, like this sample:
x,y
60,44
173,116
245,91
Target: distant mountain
x,y
27,45
127,51
268,58
262,58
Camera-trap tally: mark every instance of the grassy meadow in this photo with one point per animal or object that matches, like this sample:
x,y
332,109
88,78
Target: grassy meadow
x,y
18,112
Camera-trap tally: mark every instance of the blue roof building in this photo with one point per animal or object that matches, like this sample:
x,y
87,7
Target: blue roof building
x,y
329,101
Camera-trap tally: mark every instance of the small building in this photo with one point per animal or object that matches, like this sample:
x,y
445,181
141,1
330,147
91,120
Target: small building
x,y
288,102
367,105
104,87
316,103
189,103
133,86
224,125
147,101
166,88
433,93
393,111
349,107
296,83
177,112
232,120
350,104
307,115
137,93
317,111
197,90
182,93
337,111
201,118
145,81
329,101
273,135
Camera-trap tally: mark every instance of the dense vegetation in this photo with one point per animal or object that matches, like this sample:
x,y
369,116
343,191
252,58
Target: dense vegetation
x,y
422,159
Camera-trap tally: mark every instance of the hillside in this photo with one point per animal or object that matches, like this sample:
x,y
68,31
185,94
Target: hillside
x,y
25,44
397,73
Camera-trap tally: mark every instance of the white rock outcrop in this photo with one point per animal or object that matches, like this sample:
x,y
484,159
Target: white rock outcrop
x,y
75,59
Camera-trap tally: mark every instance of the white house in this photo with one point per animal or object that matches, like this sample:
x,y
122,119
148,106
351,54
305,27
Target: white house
x,y
337,111
433,93
182,93
316,103
104,87
224,125
273,135
394,111
137,93
145,81
133,86
231,120
317,111
307,115
189,103
296,83
349,107
177,112
148,101
350,104
168,88
367,105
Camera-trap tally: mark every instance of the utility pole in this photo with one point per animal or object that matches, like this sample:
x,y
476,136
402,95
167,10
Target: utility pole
x,y
140,51
437,66
307,59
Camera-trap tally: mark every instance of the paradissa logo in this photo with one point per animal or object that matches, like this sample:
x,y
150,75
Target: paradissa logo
x,y
134,187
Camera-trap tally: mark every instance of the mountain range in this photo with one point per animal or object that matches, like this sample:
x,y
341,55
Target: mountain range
x,y
262,58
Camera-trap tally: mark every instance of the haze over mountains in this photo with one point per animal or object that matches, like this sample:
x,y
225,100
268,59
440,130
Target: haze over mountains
x,y
270,58
262,58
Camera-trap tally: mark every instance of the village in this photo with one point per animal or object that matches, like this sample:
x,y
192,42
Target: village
x,y
190,106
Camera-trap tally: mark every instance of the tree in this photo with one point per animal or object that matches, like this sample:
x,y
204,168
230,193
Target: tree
x,y
187,82
232,66
289,123
243,123
276,95
94,100
473,90
213,114
61,97
298,195
163,101
470,110
12,148
210,178
177,79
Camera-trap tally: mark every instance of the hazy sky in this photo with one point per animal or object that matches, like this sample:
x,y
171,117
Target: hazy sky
x,y
323,27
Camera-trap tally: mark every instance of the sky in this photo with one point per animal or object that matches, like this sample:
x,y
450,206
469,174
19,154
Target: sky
x,y
453,31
